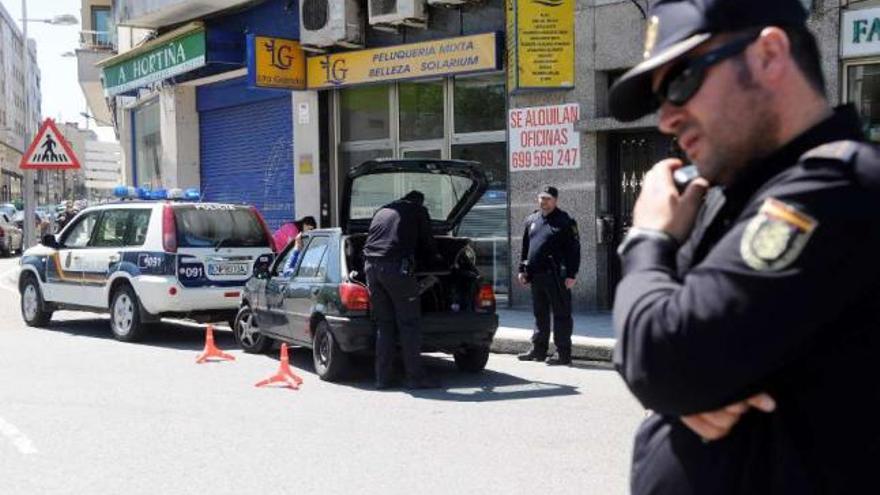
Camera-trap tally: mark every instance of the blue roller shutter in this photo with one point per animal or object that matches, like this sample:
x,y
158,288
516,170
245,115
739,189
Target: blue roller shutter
x,y
246,148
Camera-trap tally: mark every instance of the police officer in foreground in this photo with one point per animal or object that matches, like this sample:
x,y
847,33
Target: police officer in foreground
x,y
549,262
399,233
747,318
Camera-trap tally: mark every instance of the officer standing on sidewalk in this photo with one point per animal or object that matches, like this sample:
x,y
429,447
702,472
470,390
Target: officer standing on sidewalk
x,y
549,263
399,232
748,320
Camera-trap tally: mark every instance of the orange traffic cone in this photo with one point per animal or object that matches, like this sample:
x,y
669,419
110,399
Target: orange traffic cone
x,y
211,350
284,375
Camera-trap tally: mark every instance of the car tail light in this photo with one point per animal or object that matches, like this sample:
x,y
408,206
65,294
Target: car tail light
x,y
265,228
2,232
485,297
355,297
169,230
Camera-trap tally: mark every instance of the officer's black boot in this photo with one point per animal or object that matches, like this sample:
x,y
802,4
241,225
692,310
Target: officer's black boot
x,y
562,358
533,355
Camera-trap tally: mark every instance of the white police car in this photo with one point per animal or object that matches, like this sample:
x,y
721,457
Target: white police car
x,y
144,259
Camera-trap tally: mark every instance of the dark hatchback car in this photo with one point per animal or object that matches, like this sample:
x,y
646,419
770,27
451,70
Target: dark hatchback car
x,y
322,301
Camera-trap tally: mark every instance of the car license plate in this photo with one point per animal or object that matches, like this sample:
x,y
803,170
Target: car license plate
x,y
226,269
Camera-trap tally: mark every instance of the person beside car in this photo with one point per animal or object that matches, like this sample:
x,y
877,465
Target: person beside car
x,y
399,231
303,225
549,263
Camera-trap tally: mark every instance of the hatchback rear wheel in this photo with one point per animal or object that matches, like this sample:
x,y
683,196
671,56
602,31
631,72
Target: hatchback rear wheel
x,y
331,363
472,359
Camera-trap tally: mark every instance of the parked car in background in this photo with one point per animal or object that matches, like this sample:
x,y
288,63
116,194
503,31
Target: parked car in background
x,y
10,236
8,209
324,304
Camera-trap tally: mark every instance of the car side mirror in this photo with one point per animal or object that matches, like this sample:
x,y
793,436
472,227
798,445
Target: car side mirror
x,y
50,241
262,267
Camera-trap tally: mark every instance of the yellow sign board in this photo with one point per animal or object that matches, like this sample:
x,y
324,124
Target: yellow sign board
x,y
461,55
276,63
542,54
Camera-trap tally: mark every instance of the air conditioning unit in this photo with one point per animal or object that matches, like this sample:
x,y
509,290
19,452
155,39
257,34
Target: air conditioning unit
x,y
325,23
398,13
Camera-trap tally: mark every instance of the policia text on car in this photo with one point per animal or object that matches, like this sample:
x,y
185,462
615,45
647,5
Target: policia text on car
x,y
748,322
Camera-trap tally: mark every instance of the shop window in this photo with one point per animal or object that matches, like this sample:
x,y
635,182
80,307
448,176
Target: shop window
x,y
421,110
365,113
487,222
148,145
863,89
351,159
480,104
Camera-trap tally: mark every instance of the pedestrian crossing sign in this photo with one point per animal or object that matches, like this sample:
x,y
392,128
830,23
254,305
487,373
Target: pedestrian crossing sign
x,y
49,151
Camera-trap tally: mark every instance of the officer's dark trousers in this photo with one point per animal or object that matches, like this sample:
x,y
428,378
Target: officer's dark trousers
x,y
397,309
549,293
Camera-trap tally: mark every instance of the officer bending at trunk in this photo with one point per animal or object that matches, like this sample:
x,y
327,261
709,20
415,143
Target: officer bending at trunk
x,y
550,259
398,233
747,317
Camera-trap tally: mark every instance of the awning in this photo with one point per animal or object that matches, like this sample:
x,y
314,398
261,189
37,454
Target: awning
x,y
169,55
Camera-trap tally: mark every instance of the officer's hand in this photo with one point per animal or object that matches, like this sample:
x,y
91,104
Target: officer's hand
x,y
717,424
569,283
523,280
660,207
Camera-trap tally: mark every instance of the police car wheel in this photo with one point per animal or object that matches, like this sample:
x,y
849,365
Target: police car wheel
x,y
125,321
32,304
247,333
472,359
331,363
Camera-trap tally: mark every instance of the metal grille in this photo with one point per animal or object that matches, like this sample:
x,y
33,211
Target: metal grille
x,y
247,157
315,14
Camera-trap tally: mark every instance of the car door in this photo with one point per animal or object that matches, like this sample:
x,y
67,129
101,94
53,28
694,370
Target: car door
x,y
64,273
304,289
104,250
270,314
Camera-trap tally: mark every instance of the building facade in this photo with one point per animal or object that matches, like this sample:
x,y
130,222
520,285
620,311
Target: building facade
x,y
17,89
523,91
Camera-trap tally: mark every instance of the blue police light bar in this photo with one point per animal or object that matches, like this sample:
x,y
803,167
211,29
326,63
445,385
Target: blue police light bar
x,y
159,194
124,192
192,194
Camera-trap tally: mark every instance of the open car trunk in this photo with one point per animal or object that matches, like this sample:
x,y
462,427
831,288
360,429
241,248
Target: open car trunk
x,y
451,288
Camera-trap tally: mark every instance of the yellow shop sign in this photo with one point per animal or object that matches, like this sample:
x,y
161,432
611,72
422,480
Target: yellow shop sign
x,y
275,63
541,44
466,54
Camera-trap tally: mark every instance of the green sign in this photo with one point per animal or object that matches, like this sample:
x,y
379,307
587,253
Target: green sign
x,y
165,59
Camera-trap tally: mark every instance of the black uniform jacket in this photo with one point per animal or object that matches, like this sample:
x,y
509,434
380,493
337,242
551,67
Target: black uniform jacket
x,y
400,230
777,290
554,236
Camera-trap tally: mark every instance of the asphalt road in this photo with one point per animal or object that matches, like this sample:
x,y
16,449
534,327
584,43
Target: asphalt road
x,y
82,413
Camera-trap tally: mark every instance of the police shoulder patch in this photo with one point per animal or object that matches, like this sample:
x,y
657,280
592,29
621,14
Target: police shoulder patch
x,y
776,236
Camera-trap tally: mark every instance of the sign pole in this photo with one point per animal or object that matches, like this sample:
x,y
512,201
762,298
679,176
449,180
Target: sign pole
x,y
29,206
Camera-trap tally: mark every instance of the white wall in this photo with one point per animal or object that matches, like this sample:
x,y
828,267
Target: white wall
x,y
179,125
306,148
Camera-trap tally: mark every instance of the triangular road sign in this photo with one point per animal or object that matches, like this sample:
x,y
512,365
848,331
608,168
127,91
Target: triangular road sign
x,y
49,151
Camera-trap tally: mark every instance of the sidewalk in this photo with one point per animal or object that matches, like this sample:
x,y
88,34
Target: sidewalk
x,y
592,339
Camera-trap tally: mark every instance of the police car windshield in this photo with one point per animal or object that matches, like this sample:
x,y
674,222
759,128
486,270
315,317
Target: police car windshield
x,y
206,225
442,192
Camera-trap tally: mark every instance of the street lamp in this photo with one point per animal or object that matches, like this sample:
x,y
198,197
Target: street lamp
x,y
96,119
29,206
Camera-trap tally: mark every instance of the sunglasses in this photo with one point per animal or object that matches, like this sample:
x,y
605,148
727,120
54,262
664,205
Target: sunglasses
x,y
683,81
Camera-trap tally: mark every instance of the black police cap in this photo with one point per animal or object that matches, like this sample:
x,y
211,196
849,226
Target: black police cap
x,y
549,190
676,27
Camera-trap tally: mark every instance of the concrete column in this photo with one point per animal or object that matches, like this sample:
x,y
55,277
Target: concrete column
x,y
306,154
179,126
